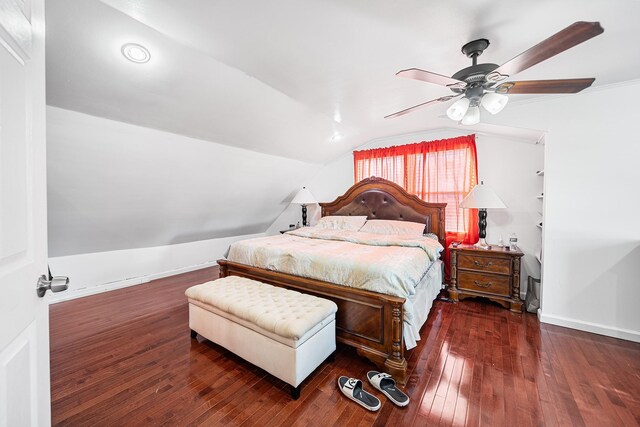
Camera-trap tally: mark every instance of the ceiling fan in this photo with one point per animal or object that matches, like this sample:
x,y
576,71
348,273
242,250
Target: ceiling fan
x,y
480,84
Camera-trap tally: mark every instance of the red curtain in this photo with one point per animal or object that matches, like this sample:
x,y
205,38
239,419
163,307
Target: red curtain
x,y
436,171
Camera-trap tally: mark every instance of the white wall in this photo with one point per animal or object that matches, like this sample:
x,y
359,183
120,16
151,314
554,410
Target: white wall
x,y
592,226
508,165
104,271
126,203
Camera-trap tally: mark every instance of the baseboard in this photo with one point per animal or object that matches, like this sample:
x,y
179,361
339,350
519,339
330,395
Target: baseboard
x,y
94,290
181,270
94,273
625,334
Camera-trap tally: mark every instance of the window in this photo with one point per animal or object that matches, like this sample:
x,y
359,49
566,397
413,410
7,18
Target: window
x,y
442,171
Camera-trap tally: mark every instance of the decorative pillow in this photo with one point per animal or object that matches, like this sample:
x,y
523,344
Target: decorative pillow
x,y
388,226
349,223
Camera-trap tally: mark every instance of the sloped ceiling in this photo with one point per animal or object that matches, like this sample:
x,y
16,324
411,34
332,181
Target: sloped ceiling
x,y
282,77
114,186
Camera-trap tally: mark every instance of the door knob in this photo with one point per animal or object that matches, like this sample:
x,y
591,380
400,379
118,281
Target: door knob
x,y
56,284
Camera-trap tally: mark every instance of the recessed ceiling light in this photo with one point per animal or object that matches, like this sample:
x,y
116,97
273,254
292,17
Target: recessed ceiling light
x,y
136,53
336,136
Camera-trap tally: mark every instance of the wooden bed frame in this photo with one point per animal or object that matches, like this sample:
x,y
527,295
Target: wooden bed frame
x,y
369,321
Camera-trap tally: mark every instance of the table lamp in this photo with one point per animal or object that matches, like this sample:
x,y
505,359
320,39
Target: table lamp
x,y
482,197
304,198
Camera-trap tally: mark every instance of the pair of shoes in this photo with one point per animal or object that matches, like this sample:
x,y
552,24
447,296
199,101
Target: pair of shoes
x,y
352,388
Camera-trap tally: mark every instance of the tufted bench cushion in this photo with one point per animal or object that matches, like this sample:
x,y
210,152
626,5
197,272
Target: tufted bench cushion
x,y
284,315
285,332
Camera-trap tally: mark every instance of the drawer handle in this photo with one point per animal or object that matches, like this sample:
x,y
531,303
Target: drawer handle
x,y
482,285
476,262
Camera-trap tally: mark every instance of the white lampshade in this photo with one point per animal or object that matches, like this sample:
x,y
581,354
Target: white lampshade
x,y
472,117
494,102
482,197
458,109
304,197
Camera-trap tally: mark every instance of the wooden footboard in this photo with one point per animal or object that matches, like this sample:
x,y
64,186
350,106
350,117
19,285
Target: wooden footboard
x,y
369,321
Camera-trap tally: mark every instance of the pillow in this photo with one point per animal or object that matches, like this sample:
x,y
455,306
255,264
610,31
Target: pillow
x,y
388,226
432,236
349,223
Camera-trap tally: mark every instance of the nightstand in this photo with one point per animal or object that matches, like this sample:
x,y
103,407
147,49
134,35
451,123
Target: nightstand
x,y
490,273
288,229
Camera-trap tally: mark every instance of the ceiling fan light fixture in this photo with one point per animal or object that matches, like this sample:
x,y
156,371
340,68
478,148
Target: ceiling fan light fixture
x,y
494,102
458,109
472,116
481,84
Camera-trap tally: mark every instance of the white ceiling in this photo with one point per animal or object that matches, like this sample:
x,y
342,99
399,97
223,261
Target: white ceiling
x,y
282,76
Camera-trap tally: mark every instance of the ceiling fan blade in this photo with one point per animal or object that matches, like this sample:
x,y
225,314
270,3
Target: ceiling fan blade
x,y
428,76
571,36
424,104
544,86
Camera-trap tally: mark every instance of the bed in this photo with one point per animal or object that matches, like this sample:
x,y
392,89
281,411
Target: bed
x,y
372,322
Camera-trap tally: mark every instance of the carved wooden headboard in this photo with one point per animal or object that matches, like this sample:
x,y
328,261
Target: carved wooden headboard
x,y
378,198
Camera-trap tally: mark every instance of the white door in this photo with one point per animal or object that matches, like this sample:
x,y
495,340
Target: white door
x,y
24,318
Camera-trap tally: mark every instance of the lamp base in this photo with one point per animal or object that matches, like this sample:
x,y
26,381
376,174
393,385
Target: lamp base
x,y
482,244
304,215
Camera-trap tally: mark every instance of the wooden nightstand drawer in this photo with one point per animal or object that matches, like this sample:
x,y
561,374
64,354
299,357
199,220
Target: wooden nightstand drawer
x,y
488,264
490,283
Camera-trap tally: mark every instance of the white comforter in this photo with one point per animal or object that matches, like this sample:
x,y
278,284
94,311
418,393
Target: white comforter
x,y
392,265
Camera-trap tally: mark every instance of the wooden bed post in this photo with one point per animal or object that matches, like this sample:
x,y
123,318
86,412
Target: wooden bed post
x,y
396,365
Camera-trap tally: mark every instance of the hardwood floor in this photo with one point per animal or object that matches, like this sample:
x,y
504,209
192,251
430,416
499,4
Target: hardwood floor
x,y
125,358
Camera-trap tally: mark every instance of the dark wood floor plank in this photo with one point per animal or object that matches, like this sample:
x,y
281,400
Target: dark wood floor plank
x,y
126,358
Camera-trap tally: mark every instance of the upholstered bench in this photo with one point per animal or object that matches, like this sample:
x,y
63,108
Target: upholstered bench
x,y
284,332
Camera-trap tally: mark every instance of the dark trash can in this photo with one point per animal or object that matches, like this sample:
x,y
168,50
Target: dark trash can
x,y
532,301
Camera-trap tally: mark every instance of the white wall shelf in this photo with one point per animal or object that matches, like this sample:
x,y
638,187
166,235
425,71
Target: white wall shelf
x,y
539,224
